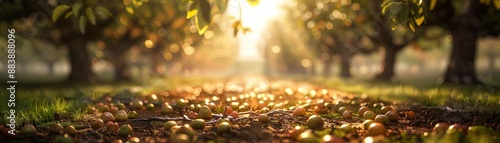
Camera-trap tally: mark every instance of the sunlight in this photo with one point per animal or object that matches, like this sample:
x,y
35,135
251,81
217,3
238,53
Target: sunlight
x,y
257,19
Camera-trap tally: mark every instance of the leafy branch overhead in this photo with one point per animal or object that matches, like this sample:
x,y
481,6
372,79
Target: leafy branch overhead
x,y
413,12
81,12
201,11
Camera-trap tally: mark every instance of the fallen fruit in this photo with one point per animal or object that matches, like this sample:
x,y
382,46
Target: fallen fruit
x,y
222,120
133,140
205,113
28,130
121,116
393,115
410,115
70,130
376,129
120,106
113,110
299,111
229,110
91,110
234,114
440,129
382,119
56,128
180,138
168,125
315,122
198,124
297,131
192,115
224,127
185,129
347,114
63,139
308,137
97,124
369,115
125,130
347,128
362,110
263,118
106,117
482,132
103,108
132,114
166,109
342,110
110,126
385,109
367,123
331,139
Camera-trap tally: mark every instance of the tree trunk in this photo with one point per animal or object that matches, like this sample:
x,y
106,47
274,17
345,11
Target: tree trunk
x,y
345,65
461,66
388,64
120,64
81,67
327,68
51,66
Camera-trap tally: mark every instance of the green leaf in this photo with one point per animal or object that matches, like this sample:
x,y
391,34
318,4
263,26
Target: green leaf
x,y
245,30
76,8
193,9
222,5
432,4
420,20
130,10
83,23
58,11
201,24
412,25
103,13
90,15
235,32
205,10
68,15
253,2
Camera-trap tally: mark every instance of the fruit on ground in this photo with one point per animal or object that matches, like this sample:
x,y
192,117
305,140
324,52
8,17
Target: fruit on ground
x,y
168,125
222,120
308,137
440,129
113,110
185,129
180,138
224,127
205,113
91,110
234,114
367,123
56,128
263,119
132,114
198,124
315,122
369,115
97,124
125,130
362,110
331,139
385,109
297,131
382,119
110,126
28,130
299,111
63,139
229,110
376,129
133,140
342,110
347,128
347,114
192,115
393,115
70,130
121,116
410,115
166,109
103,108
150,106
482,132
106,117
120,106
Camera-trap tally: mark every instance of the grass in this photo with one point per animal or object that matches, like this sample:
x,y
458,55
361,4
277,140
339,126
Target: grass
x,y
471,98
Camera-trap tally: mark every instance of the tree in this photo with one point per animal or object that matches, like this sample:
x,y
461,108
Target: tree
x,y
466,20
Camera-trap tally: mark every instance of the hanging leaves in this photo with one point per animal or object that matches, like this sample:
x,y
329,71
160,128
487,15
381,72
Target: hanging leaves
x,y
58,11
76,8
83,23
90,15
201,24
253,2
193,9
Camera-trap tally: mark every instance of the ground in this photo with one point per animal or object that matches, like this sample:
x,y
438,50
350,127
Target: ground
x,y
280,97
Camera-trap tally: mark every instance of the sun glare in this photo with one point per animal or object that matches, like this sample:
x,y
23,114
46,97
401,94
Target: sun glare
x,y
255,18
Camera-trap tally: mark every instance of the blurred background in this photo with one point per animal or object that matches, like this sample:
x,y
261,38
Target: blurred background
x,y
402,41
